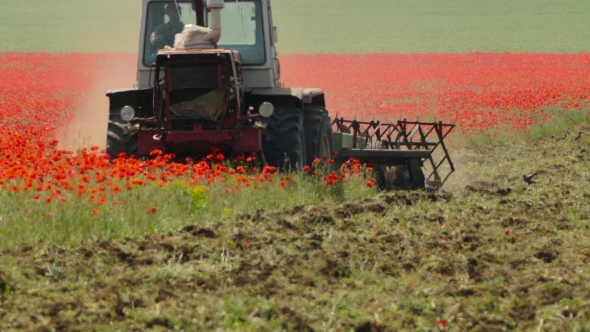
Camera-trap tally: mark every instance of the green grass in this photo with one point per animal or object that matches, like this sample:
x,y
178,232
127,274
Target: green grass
x,y
129,213
505,134
322,26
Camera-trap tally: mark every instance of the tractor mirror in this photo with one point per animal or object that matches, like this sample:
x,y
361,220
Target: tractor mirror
x,y
275,35
278,66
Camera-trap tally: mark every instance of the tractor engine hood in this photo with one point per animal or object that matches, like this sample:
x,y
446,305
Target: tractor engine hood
x,y
198,37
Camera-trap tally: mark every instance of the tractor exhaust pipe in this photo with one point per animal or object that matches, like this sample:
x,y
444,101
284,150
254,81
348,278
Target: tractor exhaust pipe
x,y
215,6
200,12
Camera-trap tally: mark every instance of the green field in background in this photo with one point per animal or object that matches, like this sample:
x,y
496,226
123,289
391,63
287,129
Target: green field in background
x,y
322,26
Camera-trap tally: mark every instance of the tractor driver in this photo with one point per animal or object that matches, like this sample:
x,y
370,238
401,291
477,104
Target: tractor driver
x,y
164,34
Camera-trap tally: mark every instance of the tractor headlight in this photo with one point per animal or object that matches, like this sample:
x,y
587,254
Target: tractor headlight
x,y
127,113
266,109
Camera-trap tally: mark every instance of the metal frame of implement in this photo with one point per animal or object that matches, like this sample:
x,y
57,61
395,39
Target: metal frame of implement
x,y
408,143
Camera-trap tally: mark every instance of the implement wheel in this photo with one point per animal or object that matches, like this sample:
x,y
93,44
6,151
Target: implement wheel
x,y
282,141
399,177
318,134
119,140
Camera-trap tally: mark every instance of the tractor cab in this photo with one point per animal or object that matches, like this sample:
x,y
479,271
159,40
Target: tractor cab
x,y
247,28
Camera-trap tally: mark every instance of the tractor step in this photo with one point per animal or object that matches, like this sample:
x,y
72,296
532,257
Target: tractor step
x,y
348,141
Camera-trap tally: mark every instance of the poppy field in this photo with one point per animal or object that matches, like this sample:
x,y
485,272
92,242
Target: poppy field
x,y
484,94
50,188
137,243
480,92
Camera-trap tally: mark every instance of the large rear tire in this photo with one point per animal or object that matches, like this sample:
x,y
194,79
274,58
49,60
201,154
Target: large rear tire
x,y
318,134
120,140
282,141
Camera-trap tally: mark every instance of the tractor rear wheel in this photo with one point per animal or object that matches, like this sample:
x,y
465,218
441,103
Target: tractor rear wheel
x,y
120,140
318,134
282,141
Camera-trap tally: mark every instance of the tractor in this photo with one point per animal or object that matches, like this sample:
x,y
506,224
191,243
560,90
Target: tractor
x,y
208,79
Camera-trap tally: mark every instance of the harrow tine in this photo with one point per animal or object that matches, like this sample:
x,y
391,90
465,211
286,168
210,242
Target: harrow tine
x,y
413,132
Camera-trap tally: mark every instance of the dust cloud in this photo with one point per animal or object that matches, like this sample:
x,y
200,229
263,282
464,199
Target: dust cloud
x,y
462,176
465,173
88,125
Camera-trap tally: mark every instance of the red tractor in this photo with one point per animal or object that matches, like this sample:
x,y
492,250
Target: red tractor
x,y
199,90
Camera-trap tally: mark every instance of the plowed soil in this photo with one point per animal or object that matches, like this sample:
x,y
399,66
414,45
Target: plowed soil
x,y
493,254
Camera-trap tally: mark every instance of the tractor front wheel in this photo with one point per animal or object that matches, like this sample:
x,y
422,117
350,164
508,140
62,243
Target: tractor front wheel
x,y
120,140
282,141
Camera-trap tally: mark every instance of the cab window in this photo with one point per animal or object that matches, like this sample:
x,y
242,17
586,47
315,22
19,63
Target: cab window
x,y
242,30
164,21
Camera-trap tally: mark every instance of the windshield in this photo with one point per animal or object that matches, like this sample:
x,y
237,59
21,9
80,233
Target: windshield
x,y
164,21
242,30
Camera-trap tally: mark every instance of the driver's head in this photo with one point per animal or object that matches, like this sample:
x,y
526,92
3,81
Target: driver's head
x,y
173,13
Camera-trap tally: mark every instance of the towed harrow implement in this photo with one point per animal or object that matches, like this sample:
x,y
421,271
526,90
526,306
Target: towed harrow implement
x,y
397,151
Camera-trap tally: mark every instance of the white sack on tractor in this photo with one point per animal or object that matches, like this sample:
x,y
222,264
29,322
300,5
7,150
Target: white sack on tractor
x,y
209,106
195,37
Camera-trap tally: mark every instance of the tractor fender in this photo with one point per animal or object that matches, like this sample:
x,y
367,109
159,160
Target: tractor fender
x,y
140,99
313,96
121,127
114,136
